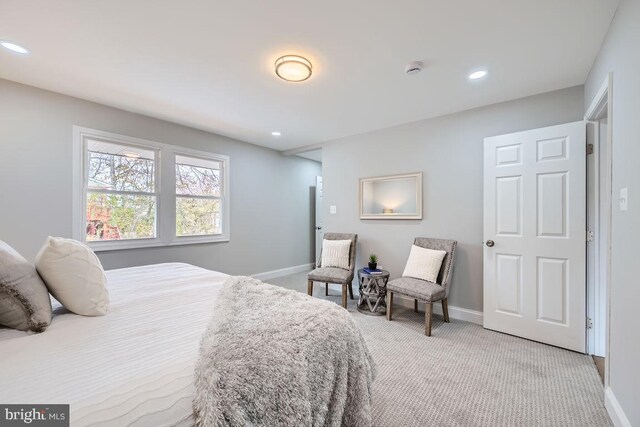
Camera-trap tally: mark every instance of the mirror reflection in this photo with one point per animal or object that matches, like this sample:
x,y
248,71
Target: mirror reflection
x,y
391,197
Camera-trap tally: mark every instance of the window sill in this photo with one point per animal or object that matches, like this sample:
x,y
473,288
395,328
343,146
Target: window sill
x,y
155,243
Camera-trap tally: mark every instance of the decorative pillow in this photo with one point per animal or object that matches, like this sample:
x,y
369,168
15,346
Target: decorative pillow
x,y
74,276
24,299
335,253
424,264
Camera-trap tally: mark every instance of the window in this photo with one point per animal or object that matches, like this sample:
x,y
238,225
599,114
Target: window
x,y
198,196
131,193
121,196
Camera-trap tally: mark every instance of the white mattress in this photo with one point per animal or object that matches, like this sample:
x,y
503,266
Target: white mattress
x,y
133,366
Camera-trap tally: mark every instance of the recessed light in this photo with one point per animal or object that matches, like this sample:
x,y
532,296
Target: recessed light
x,y
16,48
293,68
275,133
477,74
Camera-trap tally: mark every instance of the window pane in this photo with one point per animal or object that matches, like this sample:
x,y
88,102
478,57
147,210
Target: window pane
x,y
118,217
196,217
197,177
120,168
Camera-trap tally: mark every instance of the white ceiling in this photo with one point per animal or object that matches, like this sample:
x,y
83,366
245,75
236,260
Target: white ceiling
x,y
209,64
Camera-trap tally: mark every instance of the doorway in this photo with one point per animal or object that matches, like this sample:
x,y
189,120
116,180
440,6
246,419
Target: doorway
x,y
599,207
319,221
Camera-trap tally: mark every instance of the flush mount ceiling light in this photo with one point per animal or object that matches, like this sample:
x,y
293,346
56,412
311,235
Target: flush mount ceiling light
x,y
275,133
293,68
478,74
13,47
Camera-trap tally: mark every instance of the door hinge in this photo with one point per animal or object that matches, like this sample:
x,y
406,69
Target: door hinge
x,y
589,323
590,236
589,149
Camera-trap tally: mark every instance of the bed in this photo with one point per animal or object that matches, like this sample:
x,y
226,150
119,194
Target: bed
x,y
133,366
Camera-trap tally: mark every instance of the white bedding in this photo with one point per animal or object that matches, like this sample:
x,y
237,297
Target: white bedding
x,y
133,366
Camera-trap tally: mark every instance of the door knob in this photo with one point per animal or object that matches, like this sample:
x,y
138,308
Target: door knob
x,y
318,228
490,243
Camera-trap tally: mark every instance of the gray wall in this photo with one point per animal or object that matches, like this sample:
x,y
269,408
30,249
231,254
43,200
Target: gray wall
x,y
619,55
271,195
449,151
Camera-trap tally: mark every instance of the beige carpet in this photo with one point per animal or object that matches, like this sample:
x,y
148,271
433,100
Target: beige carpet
x,y
465,375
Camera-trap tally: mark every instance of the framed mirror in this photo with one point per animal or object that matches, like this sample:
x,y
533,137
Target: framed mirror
x,y
391,197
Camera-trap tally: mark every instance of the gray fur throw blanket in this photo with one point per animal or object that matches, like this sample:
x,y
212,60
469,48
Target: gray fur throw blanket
x,y
277,357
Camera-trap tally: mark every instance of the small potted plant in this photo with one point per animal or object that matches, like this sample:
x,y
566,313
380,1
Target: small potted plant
x,y
373,261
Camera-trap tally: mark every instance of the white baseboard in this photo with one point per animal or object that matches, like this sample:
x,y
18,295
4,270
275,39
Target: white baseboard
x,y
458,313
283,271
614,409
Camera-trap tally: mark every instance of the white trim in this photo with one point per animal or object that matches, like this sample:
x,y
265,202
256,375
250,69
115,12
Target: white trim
x,y
267,275
457,313
460,313
599,101
164,192
604,99
614,409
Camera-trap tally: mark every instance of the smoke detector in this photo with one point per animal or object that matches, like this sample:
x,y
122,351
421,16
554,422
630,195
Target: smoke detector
x,y
413,67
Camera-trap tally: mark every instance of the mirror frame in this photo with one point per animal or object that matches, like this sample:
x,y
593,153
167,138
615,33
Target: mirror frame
x,y
417,215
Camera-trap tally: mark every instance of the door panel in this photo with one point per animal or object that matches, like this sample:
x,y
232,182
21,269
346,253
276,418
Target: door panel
x,y
509,283
534,203
552,290
552,204
509,205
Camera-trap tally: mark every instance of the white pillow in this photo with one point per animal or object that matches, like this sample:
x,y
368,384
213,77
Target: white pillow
x,y
74,276
424,264
335,253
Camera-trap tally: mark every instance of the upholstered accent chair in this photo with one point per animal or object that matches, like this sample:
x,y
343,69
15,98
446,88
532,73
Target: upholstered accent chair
x,y
334,275
423,291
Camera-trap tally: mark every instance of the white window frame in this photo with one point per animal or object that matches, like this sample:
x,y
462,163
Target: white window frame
x,y
165,190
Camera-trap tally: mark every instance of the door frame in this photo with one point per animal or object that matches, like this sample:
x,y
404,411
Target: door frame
x,y
600,104
318,215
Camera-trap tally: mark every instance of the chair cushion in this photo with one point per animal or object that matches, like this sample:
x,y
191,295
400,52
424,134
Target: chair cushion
x,y
416,288
335,253
424,263
330,275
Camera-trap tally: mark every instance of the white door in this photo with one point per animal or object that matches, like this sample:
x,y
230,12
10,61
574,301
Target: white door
x,y
319,220
534,234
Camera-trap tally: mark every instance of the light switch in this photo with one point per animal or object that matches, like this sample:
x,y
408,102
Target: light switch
x,y
624,199
333,209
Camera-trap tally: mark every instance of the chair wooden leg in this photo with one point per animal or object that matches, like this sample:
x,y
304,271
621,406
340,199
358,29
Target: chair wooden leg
x,y
326,289
427,318
344,296
389,304
445,310
351,290
309,287
415,305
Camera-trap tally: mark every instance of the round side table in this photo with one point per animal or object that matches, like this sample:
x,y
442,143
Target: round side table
x,y
373,292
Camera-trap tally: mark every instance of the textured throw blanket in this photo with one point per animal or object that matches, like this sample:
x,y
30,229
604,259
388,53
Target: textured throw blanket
x,y
276,357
